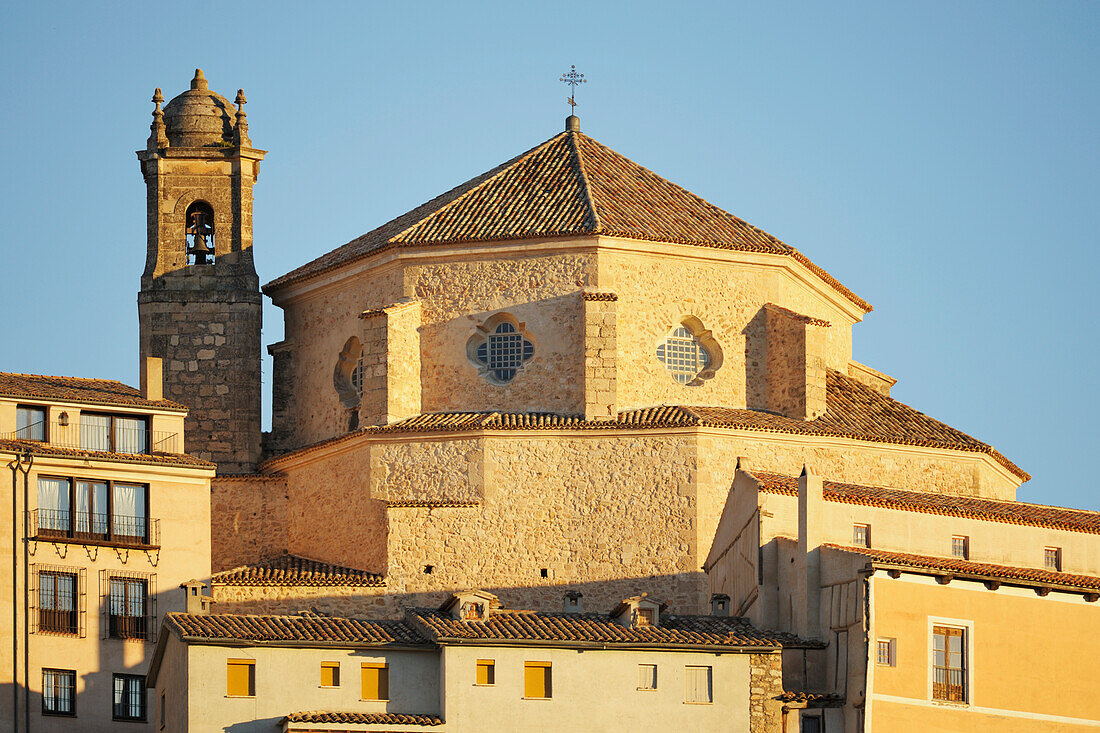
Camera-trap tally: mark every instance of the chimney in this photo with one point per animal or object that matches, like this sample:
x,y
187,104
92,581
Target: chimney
x,y
573,602
152,379
720,605
810,519
196,602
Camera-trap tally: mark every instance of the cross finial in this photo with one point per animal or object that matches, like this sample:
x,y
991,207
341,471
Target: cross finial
x,y
572,78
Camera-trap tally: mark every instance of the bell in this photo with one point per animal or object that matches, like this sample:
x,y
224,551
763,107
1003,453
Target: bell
x,y
200,249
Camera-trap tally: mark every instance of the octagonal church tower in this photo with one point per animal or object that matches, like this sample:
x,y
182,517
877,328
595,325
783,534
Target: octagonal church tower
x,y
200,305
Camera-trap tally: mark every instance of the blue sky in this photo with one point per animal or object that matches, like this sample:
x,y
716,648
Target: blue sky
x,y
940,159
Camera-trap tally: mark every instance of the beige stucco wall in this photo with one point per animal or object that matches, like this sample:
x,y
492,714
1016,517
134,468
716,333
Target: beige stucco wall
x,y
1033,665
593,690
179,498
288,680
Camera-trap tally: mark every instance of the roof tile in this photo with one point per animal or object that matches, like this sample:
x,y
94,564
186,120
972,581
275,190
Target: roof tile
x,y
317,716
292,570
299,628
78,389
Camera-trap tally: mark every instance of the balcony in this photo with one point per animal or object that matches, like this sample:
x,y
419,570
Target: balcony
x,y
99,438
55,525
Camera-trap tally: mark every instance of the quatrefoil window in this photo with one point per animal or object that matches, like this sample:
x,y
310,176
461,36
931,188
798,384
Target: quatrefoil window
x,y
500,348
690,353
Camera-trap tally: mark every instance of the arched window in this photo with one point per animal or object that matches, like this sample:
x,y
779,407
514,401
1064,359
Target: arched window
x,y
347,377
500,348
200,234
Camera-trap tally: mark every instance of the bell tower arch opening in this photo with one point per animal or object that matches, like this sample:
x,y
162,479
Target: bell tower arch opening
x,y
199,307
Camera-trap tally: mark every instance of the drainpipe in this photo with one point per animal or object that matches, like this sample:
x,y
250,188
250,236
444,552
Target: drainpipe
x,y
26,587
20,464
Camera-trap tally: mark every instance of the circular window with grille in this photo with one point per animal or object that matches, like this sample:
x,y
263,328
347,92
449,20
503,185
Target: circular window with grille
x,y
690,353
500,348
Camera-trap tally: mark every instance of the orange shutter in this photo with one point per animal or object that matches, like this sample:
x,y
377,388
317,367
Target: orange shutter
x,y
376,681
240,678
537,680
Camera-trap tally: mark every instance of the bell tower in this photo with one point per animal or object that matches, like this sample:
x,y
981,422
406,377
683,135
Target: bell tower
x,y
200,305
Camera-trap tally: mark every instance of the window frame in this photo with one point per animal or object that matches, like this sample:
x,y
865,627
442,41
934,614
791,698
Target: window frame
x,y
490,665
960,541
142,696
112,437
112,628
891,652
111,537
383,673
481,347
547,680
966,626
1057,554
250,664
643,687
70,674
866,527
45,422
78,627
710,684
335,679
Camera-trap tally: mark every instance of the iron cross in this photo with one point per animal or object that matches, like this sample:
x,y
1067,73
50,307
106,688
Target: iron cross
x,y
572,78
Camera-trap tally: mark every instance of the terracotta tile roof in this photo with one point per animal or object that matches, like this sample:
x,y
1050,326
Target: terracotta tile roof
x,y
854,411
970,507
431,503
78,389
980,570
291,570
316,716
46,449
303,628
569,185
516,626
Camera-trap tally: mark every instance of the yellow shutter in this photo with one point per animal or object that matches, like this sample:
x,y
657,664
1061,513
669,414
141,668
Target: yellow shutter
x,y
536,679
376,681
240,677
486,672
330,674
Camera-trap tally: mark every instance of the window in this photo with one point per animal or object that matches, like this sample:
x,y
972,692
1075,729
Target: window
x,y
1052,559
347,377
376,681
644,617
53,506
113,433
503,351
647,676
240,678
537,680
101,511
960,547
58,692
683,355
91,510
129,700
861,535
128,514
128,614
30,423
885,653
357,377
697,687
948,663
57,594
330,674
486,672
810,724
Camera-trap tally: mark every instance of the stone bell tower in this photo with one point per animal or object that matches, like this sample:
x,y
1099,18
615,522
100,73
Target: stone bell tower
x,y
200,306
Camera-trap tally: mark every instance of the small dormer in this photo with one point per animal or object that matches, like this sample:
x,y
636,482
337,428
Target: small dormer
x,y
720,605
573,602
639,611
470,605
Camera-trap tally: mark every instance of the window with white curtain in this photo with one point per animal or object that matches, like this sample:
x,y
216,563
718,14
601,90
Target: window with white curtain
x,y
697,686
53,504
116,433
128,511
129,434
95,432
91,507
30,423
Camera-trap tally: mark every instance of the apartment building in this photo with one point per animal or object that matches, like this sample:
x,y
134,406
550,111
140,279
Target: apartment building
x,y
105,519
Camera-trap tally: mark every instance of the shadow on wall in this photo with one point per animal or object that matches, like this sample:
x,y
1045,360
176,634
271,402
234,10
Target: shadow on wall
x,y
756,362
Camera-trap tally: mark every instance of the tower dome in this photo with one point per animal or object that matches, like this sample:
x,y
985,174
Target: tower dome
x,y
199,118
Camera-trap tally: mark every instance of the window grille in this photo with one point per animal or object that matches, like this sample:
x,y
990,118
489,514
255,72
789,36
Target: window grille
x,y
504,352
57,600
357,377
948,664
885,655
697,685
683,355
129,605
129,697
59,692
861,535
960,547
647,676
1052,558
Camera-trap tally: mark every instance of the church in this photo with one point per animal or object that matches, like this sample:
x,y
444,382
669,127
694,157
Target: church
x,y
571,388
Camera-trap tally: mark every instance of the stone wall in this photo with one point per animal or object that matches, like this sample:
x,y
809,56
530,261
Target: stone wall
x,y
765,687
600,356
248,518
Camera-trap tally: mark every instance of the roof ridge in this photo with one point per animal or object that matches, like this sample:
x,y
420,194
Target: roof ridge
x,y
61,376
583,173
501,170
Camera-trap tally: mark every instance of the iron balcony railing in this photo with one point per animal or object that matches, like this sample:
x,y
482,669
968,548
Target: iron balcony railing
x,y
59,525
107,439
